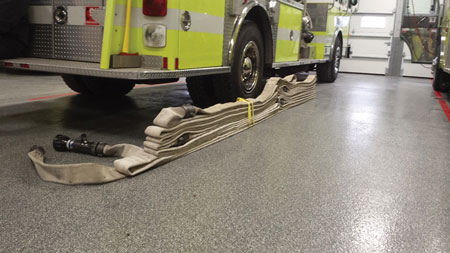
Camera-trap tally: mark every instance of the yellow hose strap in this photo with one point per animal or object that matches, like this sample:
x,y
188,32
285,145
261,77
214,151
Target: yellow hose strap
x,y
251,111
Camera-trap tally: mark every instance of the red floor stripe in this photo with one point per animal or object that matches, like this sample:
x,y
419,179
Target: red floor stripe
x,y
444,105
438,95
54,96
445,108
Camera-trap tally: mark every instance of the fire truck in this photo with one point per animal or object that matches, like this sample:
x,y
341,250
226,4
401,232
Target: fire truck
x,y
225,48
438,44
427,36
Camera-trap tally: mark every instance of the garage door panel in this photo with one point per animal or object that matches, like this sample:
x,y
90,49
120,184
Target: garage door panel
x,y
381,6
370,47
361,65
370,34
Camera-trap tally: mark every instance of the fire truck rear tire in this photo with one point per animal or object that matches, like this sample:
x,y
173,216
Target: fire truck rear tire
x,y
246,78
328,72
108,87
441,80
75,83
249,33
201,90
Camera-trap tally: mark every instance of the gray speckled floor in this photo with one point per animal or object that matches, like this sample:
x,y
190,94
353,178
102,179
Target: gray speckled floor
x,y
363,168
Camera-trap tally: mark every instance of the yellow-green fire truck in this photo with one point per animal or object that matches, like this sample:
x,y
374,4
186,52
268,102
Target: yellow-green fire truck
x,y
427,36
225,48
441,64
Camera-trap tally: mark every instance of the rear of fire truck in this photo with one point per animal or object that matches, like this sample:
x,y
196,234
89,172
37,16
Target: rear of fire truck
x,y
438,45
225,48
426,33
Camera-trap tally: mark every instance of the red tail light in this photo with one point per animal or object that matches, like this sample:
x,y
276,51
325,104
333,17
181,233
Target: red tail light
x,y
157,8
165,63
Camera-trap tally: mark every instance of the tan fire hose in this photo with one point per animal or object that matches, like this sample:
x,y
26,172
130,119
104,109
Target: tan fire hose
x,y
178,131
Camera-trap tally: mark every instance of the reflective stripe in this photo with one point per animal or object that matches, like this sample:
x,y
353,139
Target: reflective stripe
x,y
40,15
327,40
43,15
212,7
204,23
285,34
76,15
200,22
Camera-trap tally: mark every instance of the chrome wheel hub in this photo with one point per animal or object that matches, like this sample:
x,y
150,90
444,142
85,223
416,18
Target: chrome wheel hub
x,y
337,62
250,67
247,68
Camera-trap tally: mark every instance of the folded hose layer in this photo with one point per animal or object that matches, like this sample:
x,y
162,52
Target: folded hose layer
x,y
178,131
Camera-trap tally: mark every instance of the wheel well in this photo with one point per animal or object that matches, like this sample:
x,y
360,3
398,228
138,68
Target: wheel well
x,y
338,37
259,16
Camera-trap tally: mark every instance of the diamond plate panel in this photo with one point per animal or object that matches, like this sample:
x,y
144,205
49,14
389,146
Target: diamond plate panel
x,y
68,2
150,61
79,2
81,43
40,2
42,41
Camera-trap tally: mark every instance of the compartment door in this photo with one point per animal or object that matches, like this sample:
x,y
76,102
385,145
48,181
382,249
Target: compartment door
x,y
201,33
77,35
289,33
66,29
40,13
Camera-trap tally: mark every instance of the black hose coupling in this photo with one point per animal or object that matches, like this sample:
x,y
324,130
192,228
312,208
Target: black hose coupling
x,y
64,143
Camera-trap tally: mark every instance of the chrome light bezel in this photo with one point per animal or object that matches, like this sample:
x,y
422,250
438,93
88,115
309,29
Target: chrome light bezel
x,y
149,30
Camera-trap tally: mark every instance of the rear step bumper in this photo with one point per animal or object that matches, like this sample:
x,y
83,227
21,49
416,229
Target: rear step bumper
x,y
93,69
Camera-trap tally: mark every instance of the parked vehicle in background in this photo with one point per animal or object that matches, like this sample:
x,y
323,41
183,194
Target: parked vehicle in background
x,y
426,32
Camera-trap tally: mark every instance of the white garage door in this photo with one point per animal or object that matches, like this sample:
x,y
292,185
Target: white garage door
x,y
370,37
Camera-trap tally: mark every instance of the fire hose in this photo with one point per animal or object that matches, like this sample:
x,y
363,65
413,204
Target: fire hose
x,y
176,132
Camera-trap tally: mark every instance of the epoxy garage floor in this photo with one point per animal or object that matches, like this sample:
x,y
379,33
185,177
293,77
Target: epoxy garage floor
x,y
363,168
